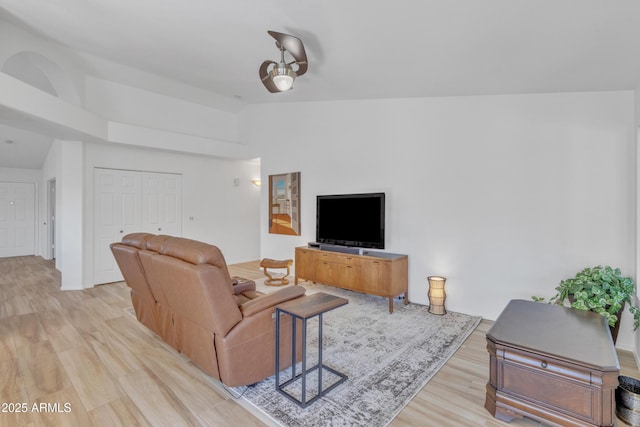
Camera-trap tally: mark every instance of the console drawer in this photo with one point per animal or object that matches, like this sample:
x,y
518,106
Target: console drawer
x,y
337,258
547,389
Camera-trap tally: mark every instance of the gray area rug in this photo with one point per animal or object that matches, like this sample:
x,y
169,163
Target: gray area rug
x,y
388,358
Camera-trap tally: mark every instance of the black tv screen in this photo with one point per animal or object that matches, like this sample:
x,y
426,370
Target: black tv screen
x,y
351,220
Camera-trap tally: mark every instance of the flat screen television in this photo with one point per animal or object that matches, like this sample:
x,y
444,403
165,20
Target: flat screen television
x,y
351,220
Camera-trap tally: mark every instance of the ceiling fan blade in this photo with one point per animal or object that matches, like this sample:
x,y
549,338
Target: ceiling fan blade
x,y
266,78
294,46
302,68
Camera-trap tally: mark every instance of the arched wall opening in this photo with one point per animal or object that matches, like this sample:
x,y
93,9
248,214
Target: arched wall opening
x,y
39,71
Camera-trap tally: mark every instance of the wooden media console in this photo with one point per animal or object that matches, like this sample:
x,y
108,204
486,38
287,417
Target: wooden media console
x,y
376,273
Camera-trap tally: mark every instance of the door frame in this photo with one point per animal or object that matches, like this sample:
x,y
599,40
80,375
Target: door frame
x,y
51,219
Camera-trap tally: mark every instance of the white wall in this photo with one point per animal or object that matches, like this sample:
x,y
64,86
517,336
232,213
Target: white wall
x,y
223,214
64,163
503,195
19,175
637,197
69,212
126,104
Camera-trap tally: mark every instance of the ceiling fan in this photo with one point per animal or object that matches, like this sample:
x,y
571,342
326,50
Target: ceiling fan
x,y
281,76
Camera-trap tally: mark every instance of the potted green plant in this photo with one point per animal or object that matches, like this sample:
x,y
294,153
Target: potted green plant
x,y
603,290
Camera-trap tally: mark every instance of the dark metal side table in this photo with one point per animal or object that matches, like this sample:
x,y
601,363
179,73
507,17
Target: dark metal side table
x,y
304,309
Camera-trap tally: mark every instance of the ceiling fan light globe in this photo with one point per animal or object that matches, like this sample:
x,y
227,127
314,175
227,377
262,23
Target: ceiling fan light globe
x,y
283,82
283,77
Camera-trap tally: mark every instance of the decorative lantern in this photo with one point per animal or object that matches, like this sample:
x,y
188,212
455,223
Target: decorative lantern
x,y
436,294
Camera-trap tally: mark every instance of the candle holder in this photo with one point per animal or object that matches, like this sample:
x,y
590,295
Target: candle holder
x,y
437,295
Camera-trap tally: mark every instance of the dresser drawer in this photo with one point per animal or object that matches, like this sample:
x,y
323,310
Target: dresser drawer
x,y
351,260
550,383
338,258
547,365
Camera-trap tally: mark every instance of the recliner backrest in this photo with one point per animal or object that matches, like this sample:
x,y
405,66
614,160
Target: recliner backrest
x,y
198,293
143,300
153,248
194,281
195,252
126,255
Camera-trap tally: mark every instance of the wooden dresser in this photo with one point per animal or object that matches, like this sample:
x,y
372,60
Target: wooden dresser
x,y
378,273
553,364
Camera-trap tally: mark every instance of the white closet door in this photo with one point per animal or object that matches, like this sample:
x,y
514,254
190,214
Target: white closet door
x,y
17,219
128,202
162,203
118,202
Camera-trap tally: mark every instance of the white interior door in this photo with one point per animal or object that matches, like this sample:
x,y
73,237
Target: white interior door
x,y
118,201
162,203
17,219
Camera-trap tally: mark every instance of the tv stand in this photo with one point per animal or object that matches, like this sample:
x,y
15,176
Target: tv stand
x,y
376,273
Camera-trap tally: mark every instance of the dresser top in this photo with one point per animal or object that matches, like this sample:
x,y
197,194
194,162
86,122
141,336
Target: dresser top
x,y
582,337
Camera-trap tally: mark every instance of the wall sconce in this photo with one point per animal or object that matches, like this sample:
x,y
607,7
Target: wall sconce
x,y
436,294
257,182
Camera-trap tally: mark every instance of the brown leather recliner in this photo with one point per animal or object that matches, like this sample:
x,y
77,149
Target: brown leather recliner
x,y
229,335
128,260
154,314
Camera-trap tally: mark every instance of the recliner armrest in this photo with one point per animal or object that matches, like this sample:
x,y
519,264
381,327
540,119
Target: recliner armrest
x,y
240,287
271,300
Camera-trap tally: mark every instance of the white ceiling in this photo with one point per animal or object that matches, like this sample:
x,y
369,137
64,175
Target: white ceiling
x,y
357,49
25,149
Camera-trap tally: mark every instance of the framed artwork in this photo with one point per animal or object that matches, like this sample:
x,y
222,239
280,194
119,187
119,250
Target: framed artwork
x,y
284,203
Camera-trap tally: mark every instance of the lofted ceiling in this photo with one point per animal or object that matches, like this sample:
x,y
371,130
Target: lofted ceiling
x,y
357,49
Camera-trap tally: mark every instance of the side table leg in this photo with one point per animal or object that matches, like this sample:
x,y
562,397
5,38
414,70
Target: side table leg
x,y
293,346
320,355
277,349
304,363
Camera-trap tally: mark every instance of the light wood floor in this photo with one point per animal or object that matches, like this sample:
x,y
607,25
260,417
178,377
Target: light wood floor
x,y
78,358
